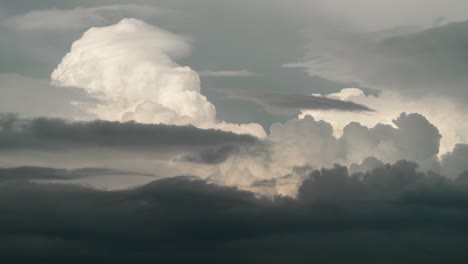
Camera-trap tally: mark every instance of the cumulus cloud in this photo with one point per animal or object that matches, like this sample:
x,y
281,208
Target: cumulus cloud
x,y
272,166
130,67
77,18
442,112
131,62
455,163
335,212
302,141
299,146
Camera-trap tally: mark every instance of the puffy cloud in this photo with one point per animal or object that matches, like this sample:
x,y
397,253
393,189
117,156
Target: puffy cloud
x,y
130,62
456,162
274,165
414,138
308,143
442,112
130,67
151,112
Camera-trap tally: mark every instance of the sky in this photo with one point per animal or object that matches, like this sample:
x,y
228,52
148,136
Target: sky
x,y
225,131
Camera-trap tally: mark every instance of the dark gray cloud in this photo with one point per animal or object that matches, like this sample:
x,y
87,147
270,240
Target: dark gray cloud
x,y
413,138
46,173
455,162
210,156
274,101
429,61
53,134
380,214
416,62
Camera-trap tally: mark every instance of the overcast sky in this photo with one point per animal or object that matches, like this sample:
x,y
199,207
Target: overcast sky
x,y
221,131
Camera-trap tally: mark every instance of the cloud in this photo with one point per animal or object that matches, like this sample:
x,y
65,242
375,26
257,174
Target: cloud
x,y
185,219
284,101
130,67
420,62
129,63
310,141
77,18
442,112
46,173
456,162
389,14
56,134
239,73
210,156
310,144
282,159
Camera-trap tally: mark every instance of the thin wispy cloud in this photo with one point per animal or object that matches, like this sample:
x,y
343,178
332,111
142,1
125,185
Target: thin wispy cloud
x,y
238,73
287,101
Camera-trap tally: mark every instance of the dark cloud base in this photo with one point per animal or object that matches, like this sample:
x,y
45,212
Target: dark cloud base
x,y
393,214
58,134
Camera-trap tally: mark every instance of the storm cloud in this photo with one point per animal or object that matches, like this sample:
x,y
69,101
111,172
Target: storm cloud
x,y
50,134
383,214
178,131
27,173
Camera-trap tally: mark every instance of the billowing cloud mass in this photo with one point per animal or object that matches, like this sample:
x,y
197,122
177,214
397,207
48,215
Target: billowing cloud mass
x,y
130,67
130,63
447,115
183,219
298,146
272,166
112,150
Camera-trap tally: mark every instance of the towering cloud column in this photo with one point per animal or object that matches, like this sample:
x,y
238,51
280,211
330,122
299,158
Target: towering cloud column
x,y
130,68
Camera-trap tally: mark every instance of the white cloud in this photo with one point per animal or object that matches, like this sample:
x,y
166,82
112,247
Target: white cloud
x,y
447,115
297,147
130,67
